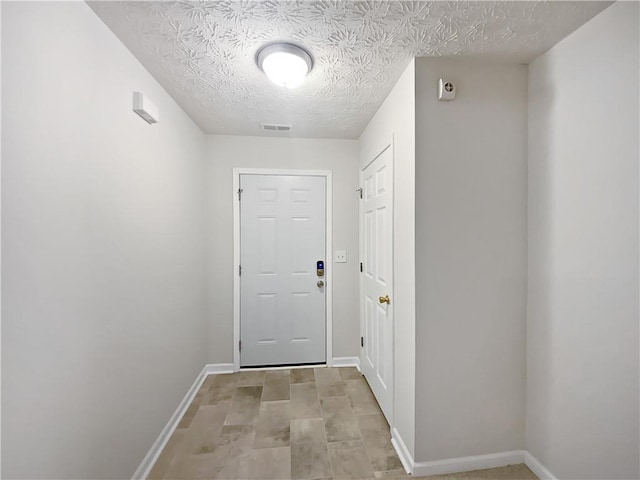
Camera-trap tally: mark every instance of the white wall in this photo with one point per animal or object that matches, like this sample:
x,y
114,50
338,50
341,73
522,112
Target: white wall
x,y
102,244
396,119
582,331
0,237
341,157
470,259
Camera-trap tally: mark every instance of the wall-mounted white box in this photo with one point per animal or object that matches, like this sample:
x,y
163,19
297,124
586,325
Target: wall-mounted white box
x,y
145,108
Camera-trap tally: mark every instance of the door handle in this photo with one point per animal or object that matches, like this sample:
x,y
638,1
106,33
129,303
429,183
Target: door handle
x,y
385,299
320,284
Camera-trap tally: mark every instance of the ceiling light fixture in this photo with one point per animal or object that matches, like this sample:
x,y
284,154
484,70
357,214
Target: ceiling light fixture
x,y
285,64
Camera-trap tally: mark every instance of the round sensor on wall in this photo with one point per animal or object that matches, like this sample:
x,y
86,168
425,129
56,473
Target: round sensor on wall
x,y
446,90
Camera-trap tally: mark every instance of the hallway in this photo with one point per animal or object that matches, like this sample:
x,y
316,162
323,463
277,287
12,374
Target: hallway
x,y
282,424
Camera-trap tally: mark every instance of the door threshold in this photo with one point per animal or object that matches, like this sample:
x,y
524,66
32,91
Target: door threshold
x,y
251,368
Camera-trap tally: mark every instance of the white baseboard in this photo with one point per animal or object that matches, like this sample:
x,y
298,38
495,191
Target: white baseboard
x,y
215,368
467,464
154,452
536,467
345,362
402,451
156,449
417,469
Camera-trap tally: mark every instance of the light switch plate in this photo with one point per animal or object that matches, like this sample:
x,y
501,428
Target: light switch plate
x,y
340,256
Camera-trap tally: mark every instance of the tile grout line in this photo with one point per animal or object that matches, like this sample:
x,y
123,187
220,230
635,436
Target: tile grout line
x,y
321,417
181,452
364,447
324,428
333,471
235,395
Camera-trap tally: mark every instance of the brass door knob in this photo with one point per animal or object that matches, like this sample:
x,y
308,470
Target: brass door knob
x,y
385,299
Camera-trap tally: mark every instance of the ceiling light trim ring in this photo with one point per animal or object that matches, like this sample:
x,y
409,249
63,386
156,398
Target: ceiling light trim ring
x,y
285,64
284,47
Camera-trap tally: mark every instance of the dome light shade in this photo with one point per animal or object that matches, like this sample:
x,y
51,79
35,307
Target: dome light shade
x,y
284,64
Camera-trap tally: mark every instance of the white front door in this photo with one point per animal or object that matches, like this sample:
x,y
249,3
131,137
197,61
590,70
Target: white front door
x,y
282,237
377,283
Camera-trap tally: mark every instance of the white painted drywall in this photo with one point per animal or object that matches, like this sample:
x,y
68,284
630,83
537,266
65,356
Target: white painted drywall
x,y
582,330
470,259
102,244
0,239
396,118
341,157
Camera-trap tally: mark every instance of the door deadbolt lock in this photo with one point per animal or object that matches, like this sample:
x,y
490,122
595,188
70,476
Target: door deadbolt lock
x,y
320,284
385,299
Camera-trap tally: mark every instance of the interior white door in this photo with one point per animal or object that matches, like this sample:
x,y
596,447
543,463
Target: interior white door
x,y
377,274
282,237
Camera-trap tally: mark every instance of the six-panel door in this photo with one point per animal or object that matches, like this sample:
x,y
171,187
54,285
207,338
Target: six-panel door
x,y
282,237
377,284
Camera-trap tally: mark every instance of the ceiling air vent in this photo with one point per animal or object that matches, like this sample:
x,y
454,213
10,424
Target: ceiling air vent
x,y
272,127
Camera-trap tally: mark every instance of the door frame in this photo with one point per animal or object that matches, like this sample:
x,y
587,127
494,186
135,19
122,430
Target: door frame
x,y
328,275
372,156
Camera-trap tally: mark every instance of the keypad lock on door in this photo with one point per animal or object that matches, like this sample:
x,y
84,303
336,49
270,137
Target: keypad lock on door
x,y
320,268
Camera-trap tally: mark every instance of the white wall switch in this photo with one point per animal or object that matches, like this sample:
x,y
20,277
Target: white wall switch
x,y
340,256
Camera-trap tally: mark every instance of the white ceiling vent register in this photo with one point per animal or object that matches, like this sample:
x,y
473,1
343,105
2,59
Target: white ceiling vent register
x,y
272,127
204,53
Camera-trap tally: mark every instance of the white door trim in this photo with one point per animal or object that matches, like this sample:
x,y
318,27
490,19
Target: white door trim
x,y
236,253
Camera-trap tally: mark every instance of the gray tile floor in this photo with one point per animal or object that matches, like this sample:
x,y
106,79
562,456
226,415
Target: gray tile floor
x,y
321,423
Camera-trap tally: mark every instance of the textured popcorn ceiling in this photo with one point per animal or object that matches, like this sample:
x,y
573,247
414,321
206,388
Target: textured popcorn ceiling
x,y
203,53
